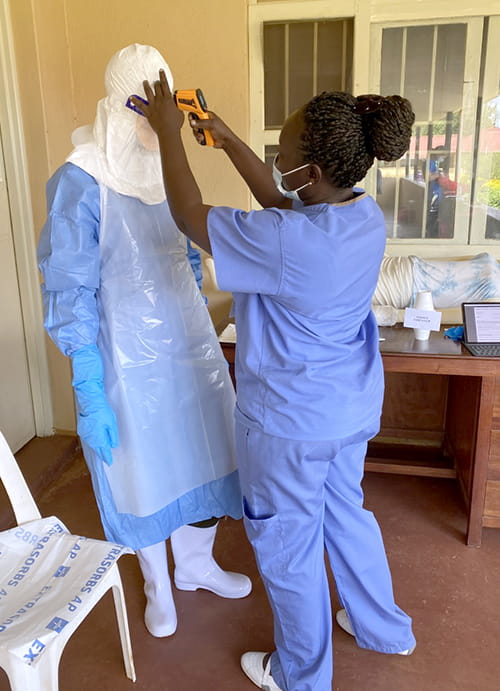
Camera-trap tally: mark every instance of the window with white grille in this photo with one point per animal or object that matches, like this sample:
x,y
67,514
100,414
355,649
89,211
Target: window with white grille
x,y
302,59
446,190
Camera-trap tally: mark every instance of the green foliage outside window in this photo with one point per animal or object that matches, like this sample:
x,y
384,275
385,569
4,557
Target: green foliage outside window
x,y
489,193
489,190
439,126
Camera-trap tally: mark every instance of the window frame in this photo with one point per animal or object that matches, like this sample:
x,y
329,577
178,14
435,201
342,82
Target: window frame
x,y
459,244
491,81
311,10
370,17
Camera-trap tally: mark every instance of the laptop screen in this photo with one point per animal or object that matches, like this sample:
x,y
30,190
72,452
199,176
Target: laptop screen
x,y
481,322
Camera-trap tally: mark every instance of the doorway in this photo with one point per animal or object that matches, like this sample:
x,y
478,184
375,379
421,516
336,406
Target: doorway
x,y
17,420
25,401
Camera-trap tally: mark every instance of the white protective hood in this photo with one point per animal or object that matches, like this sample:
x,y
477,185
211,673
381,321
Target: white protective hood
x,y
111,151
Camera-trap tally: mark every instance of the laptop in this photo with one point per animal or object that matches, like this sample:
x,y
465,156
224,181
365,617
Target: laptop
x,y
482,328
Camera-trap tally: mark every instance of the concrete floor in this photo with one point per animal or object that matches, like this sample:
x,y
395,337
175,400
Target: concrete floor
x,y
451,591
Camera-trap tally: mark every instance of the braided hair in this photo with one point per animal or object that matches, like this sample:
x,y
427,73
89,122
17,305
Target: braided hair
x,y
343,134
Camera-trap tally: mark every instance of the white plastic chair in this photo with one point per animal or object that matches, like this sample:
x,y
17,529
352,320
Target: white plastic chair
x,y
49,581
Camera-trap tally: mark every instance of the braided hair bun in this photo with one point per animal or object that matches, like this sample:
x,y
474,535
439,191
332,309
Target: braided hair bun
x,y
388,128
344,134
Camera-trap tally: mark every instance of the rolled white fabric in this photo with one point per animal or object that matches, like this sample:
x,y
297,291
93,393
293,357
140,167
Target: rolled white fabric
x,y
395,283
386,315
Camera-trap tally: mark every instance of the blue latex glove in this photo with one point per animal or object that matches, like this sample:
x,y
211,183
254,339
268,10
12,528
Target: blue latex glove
x,y
96,424
194,257
456,333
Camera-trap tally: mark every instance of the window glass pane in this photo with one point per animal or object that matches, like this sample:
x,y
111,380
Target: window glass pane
x,y
419,53
488,173
302,59
274,72
449,70
418,193
335,56
270,152
485,224
392,61
301,64
395,192
438,173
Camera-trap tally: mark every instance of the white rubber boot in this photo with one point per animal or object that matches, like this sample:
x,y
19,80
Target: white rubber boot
x,y
160,616
196,568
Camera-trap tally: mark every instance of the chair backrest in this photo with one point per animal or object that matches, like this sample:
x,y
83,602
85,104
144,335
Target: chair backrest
x,y
23,504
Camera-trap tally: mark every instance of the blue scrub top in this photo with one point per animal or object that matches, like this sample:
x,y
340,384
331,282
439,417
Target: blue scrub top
x,y
308,364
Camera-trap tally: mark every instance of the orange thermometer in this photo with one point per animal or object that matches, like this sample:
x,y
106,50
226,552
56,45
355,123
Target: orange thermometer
x,y
193,101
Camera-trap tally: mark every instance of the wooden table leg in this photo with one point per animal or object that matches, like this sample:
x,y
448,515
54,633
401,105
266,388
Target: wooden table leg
x,y
480,467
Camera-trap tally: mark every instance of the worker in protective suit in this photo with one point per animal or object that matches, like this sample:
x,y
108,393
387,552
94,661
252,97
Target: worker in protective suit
x,y
153,393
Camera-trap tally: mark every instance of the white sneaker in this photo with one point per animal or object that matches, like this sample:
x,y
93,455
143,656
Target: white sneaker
x,y
253,666
344,623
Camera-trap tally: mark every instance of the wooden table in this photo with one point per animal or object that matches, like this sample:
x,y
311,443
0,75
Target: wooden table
x,y
441,418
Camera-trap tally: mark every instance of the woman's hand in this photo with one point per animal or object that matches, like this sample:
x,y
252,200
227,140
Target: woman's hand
x,y
220,132
161,111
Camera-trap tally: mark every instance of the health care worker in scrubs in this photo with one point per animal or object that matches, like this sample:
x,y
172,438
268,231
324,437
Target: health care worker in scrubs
x,y
309,372
154,397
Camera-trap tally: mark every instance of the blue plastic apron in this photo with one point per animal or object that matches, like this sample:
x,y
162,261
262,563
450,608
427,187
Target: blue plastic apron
x,y
165,375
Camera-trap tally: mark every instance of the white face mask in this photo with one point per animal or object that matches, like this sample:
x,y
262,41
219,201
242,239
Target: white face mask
x,y
278,181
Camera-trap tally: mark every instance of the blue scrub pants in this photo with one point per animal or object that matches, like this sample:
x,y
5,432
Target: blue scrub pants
x,y
298,498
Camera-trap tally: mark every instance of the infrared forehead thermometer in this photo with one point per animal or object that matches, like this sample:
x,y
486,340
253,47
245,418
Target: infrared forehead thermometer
x,y
190,100
193,101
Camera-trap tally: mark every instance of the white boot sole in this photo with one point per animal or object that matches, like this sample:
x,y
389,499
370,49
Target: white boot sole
x,y
165,624
236,595
160,629
160,632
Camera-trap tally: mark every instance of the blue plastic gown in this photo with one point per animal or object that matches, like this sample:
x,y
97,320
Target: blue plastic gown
x,y
116,274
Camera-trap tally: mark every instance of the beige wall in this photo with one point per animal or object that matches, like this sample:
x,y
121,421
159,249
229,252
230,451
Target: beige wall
x,y
62,48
